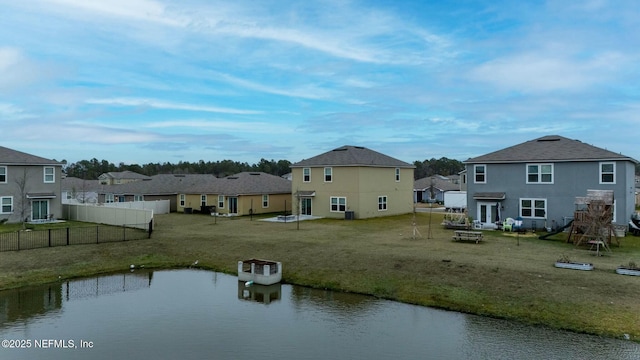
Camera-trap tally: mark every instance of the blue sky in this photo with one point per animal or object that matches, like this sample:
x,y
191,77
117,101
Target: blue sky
x,y
139,81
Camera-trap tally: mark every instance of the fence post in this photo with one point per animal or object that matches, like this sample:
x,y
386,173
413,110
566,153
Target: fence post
x,y
18,240
67,236
97,234
49,237
124,233
150,227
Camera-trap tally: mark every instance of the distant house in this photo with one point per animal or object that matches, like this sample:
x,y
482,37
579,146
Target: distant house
x,y
540,179
120,177
157,187
244,193
432,188
79,191
352,182
29,187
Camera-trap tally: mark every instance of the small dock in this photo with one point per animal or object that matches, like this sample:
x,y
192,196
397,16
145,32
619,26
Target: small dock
x,y
258,271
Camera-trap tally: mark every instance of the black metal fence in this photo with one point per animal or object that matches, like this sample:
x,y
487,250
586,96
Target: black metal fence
x,y
34,239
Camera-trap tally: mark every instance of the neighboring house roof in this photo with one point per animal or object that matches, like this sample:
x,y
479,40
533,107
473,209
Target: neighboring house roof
x,y
551,148
162,184
123,175
248,183
438,183
70,183
352,156
14,157
244,183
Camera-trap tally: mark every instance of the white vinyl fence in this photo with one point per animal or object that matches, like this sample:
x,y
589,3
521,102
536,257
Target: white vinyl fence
x,y
136,218
158,206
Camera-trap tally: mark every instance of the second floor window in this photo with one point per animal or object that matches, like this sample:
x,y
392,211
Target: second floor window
x,y
328,174
3,174
397,174
480,174
306,174
607,173
539,173
49,174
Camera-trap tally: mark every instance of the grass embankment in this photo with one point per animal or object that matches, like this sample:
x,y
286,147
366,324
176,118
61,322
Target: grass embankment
x,y
506,276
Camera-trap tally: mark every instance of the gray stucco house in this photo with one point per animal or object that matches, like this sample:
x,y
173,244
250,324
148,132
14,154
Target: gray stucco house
x,y
540,179
29,187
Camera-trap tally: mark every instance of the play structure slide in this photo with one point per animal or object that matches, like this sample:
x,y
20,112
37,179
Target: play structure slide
x,y
557,231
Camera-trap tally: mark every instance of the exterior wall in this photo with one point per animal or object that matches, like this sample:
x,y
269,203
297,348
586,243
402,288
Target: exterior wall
x,y
570,180
361,187
34,184
245,203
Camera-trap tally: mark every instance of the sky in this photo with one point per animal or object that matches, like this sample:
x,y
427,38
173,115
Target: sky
x,y
145,81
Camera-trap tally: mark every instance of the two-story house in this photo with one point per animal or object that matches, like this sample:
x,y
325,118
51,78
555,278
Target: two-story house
x,y
539,180
352,182
29,187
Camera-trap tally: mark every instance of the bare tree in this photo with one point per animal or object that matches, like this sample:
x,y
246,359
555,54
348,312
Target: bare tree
x,y
22,203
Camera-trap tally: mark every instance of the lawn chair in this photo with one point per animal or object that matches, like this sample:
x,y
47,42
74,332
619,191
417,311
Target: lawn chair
x,y
507,224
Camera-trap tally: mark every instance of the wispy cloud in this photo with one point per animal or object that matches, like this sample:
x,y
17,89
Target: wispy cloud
x,y
167,105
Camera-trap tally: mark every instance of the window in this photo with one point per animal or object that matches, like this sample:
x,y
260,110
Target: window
x,y
3,174
108,198
338,204
607,173
397,174
49,174
382,203
7,205
533,208
220,201
182,200
328,174
480,174
265,201
539,173
138,197
203,199
306,174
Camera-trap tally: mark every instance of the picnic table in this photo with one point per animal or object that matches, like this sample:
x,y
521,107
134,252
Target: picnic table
x,y
462,235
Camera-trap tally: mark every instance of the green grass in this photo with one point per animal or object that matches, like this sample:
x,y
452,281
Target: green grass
x,y
506,276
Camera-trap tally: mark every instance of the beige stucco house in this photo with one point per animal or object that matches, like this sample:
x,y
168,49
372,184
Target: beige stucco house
x,y
29,187
352,182
244,193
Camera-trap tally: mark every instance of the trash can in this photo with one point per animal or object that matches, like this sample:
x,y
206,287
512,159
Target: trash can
x,y
188,210
349,215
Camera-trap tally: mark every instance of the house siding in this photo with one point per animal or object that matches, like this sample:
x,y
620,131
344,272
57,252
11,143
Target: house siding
x,y
361,186
570,180
34,185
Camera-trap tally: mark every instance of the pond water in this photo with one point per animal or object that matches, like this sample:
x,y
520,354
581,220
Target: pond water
x,y
194,314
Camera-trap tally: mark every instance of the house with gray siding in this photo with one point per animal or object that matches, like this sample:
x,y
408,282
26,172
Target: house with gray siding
x,y
540,179
29,187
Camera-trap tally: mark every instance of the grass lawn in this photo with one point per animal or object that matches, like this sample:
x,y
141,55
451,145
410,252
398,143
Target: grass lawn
x,y
506,276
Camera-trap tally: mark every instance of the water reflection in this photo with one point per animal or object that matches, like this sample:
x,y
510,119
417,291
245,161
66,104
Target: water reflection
x,y
259,293
20,305
192,314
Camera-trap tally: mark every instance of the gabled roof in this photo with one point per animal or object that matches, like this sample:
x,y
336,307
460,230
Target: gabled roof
x,y
438,183
352,156
70,183
248,183
123,175
245,183
551,148
14,157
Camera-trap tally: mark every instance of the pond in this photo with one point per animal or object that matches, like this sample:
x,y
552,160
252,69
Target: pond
x,y
195,314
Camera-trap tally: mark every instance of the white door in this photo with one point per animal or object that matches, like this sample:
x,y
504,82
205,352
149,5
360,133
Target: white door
x,y
487,212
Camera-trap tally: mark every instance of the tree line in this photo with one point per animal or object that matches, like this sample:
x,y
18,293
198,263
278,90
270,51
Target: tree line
x,y
91,169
